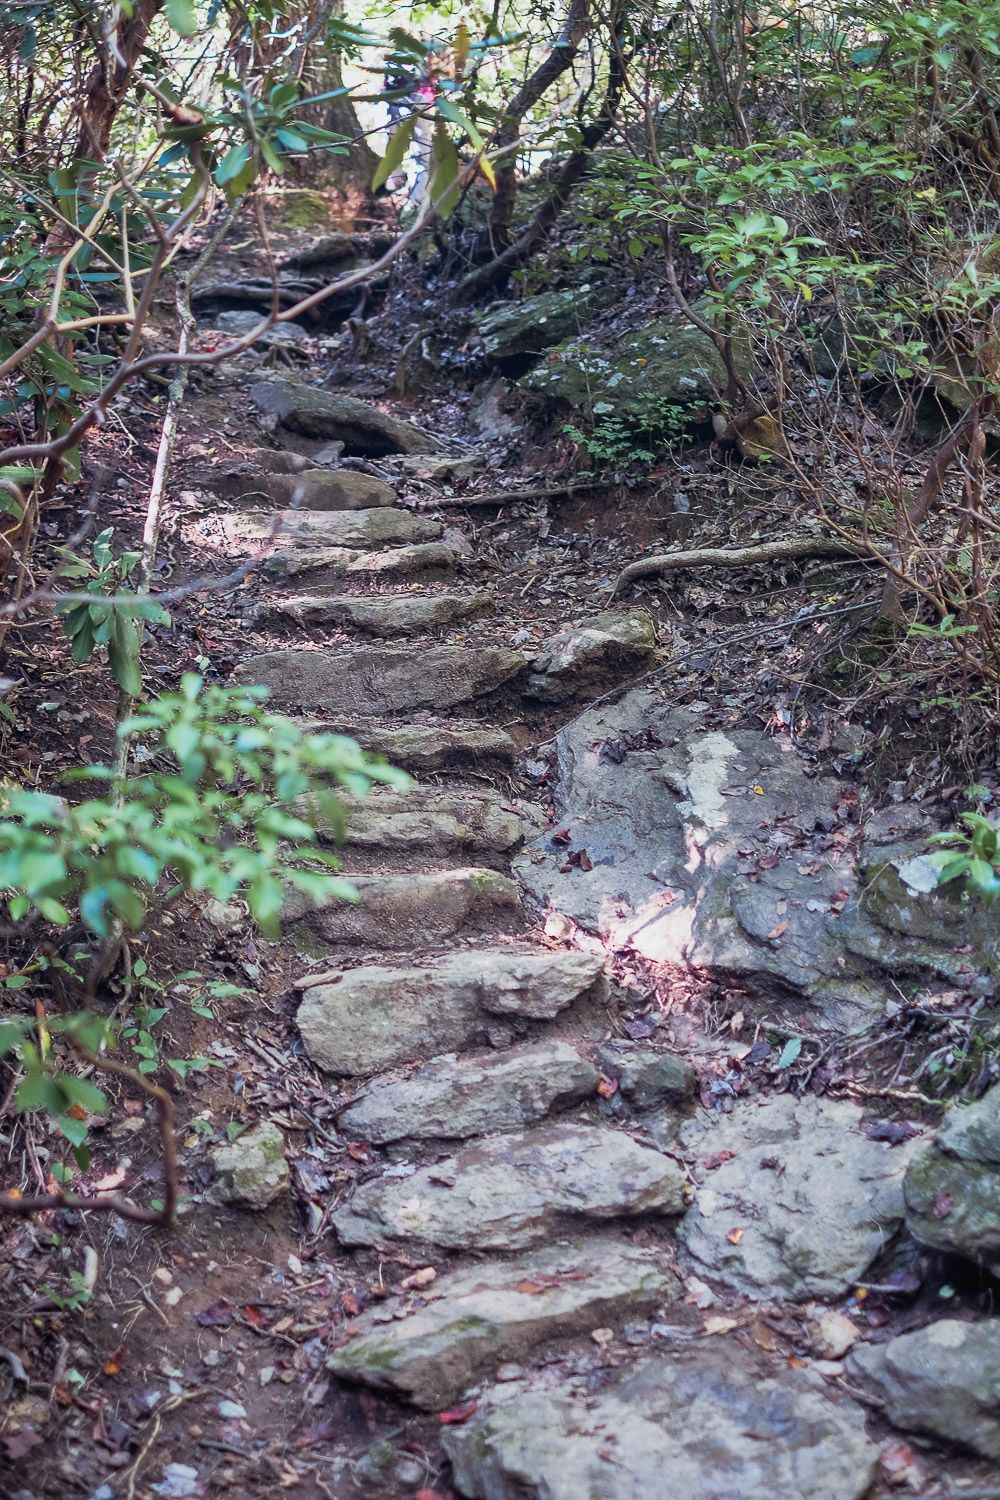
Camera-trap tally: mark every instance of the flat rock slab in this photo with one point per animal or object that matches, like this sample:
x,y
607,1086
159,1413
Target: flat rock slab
x,y
648,1078
428,560
943,1380
360,1021
308,489
435,822
814,1200
406,911
952,1188
381,614
382,679
700,850
513,1191
456,1097
430,747
702,1425
316,413
311,529
431,1347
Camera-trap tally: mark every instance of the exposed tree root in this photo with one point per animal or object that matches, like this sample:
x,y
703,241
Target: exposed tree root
x,y
740,557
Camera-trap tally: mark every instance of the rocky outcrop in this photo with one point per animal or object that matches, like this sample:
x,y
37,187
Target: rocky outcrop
x,y
696,1423
309,489
510,1192
380,614
942,1380
514,332
605,649
953,1187
801,1204
360,1021
378,527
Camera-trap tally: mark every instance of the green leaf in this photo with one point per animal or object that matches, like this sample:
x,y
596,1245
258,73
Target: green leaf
x,y
182,16
233,163
790,1052
399,144
443,189
123,654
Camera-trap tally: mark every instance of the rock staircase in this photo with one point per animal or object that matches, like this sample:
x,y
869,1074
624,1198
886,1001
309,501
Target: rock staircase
x,y
542,1169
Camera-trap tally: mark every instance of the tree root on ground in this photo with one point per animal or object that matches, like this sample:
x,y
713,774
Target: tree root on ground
x,y
740,557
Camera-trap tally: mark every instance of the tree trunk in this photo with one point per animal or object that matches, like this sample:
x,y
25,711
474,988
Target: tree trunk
x,y
109,79
556,62
319,70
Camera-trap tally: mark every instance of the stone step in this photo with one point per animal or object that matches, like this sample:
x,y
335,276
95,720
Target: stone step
x,y
382,679
425,747
312,529
424,560
361,1021
379,614
315,413
437,823
695,1422
308,489
509,1192
457,1097
431,1347
406,911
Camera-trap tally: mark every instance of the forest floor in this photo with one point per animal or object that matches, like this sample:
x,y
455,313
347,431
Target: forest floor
x,y
644,1208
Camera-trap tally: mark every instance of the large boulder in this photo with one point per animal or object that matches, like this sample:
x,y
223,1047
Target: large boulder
x,y
512,331
943,1380
309,489
315,413
721,850
801,1203
433,1344
667,363
358,1021
953,1187
311,529
700,1424
510,1192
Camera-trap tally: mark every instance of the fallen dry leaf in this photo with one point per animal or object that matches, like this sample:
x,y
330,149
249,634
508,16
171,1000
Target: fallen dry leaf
x,y
420,1278
719,1325
833,1333
457,1414
734,1236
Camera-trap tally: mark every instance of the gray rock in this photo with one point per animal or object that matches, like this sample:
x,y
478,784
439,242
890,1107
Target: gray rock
x,y
815,1200
420,560
511,330
251,1171
312,529
699,846
381,614
509,1192
309,489
457,1097
648,1078
603,649
952,1188
433,822
323,414
374,679
405,911
358,1021
238,322
667,361
701,1425
431,1347
430,747
943,1380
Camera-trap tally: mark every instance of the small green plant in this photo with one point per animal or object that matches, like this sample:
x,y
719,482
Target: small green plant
x,y
971,854
639,436
95,621
234,812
